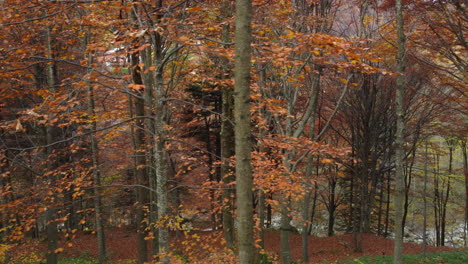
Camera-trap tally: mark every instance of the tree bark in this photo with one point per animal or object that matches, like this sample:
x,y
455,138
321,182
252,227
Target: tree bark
x,y
399,140
96,175
425,203
308,176
149,82
244,180
160,159
450,144
51,228
387,206
465,171
227,141
140,163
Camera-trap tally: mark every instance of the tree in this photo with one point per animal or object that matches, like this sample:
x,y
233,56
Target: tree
x,y
399,140
244,180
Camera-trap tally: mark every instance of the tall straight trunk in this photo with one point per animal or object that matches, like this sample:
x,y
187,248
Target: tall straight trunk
x,y
314,206
148,79
465,170
387,206
261,217
379,217
262,206
399,140
408,181
211,173
285,232
244,179
51,228
331,207
160,159
227,151
96,175
227,140
446,198
358,215
306,211
436,200
425,203
140,163
308,176
351,204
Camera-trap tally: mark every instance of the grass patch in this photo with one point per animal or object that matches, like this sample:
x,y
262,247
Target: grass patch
x,y
90,260
446,257
78,261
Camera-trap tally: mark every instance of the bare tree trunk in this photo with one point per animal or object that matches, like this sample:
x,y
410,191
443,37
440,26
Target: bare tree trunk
x,y
331,207
436,200
244,180
308,176
425,203
51,228
465,170
379,217
96,175
227,151
399,140
160,159
408,181
387,207
140,163
148,79
451,145
227,141
314,206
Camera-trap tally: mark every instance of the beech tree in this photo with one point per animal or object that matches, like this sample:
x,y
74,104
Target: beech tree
x,y
244,180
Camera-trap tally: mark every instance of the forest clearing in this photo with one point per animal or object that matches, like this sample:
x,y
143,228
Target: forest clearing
x,y
233,131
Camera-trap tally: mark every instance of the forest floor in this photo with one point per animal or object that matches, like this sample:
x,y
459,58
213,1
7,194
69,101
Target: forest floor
x,y
121,245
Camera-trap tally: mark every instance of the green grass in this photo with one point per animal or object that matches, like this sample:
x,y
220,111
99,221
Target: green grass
x,y
88,260
78,261
448,257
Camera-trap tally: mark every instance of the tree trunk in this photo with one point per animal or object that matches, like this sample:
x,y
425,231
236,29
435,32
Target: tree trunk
x,y
399,140
96,175
308,176
140,163
465,171
314,206
244,181
387,206
161,174
51,228
447,193
381,196
227,151
148,79
331,207
408,181
425,204
227,141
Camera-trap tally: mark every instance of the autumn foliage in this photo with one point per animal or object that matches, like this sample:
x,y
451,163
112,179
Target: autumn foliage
x,y
118,115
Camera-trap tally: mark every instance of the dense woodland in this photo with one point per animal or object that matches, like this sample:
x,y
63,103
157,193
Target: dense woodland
x,y
168,117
